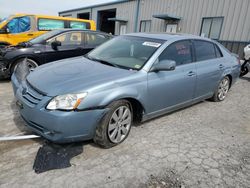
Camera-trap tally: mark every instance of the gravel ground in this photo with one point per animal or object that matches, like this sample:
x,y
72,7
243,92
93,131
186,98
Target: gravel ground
x,y
206,145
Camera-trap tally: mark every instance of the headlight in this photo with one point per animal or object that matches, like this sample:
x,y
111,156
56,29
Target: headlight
x,y
66,102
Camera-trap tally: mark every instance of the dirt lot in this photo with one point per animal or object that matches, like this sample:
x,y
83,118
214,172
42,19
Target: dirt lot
x,y
206,145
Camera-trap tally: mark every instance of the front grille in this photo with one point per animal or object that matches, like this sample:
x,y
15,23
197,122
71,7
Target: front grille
x,y
31,95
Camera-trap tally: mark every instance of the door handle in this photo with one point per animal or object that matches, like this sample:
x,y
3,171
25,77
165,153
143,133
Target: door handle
x,y
191,73
221,66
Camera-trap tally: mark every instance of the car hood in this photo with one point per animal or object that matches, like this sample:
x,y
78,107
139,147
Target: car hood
x,y
73,75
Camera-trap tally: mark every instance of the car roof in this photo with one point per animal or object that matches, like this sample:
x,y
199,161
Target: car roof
x,y
167,36
84,30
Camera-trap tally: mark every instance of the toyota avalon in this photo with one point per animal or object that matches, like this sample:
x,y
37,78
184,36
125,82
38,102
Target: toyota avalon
x,y
129,79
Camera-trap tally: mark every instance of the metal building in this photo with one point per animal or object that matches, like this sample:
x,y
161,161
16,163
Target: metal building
x,y
227,21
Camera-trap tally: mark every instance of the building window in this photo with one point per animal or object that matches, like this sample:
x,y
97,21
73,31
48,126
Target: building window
x,y
145,26
211,27
171,28
123,29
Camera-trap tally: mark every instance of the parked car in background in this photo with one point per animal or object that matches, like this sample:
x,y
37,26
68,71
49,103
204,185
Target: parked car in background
x,y
24,27
51,46
245,67
128,79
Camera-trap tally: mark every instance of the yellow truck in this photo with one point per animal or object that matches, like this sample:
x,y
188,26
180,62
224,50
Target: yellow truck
x,y
23,27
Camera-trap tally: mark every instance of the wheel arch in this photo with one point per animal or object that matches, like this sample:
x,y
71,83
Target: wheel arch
x,y
14,61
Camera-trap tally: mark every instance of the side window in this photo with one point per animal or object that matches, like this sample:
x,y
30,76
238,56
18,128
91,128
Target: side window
x,y
93,39
204,50
19,25
78,25
217,51
180,52
49,24
71,38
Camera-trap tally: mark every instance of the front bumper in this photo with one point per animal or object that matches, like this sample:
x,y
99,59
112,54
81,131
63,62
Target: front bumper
x,y
56,126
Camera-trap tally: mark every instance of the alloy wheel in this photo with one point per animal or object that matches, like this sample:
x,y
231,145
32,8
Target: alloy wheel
x,y
223,89
119,124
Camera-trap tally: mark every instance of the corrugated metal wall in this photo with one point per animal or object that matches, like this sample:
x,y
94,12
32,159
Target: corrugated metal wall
x,y
236,13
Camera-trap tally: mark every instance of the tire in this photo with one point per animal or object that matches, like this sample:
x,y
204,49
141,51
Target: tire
x,y
31,63
222,90
111,132
244,70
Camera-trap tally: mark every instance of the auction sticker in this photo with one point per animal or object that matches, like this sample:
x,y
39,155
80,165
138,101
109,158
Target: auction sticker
x,y
152,44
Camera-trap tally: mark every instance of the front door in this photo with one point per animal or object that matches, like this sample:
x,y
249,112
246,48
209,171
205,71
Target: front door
x,y
167,89
71,46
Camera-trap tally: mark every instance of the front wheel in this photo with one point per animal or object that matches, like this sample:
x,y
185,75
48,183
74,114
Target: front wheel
x,y
222,90
30,63
115,125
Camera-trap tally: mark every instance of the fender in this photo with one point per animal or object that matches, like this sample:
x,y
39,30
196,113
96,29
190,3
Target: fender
x,y
117,91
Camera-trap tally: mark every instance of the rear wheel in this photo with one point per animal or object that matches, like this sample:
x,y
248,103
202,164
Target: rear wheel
x,y
30,63
222,90
115,125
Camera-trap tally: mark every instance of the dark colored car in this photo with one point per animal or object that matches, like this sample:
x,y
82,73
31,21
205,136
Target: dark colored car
x,y
51,46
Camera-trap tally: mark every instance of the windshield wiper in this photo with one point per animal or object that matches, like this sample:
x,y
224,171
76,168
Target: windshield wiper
x,y
101,61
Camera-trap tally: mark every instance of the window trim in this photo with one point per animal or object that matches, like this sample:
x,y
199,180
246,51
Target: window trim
x,y
193,57
64,21
214,46
203,18
150,21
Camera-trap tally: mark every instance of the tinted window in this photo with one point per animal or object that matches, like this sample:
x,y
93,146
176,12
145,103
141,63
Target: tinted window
x,y
94,39
217,51
78,25
204,50
71,38
49,24
180,52
19,25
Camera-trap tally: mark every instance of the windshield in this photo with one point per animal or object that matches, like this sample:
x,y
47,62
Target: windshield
x,y
44,37
129,52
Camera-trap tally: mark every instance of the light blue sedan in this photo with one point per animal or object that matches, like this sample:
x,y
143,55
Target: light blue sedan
x,y
129,79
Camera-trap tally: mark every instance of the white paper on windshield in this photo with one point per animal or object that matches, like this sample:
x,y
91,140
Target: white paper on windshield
x,y
152,44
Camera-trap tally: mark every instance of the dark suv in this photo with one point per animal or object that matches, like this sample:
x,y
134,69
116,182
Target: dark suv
x,y
51,46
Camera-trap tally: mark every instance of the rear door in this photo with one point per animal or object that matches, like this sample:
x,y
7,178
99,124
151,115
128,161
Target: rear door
x,y
170,88
210,67
92,40
71,46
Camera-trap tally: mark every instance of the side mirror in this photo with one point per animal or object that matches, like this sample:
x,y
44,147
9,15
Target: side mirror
x,y
164,65
55,44
3,31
